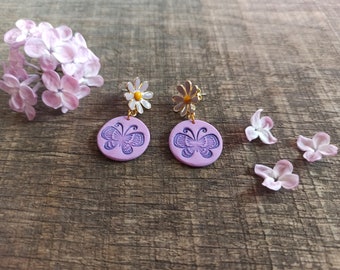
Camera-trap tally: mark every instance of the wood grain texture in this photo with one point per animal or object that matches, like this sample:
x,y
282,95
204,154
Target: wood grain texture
x,y
65,206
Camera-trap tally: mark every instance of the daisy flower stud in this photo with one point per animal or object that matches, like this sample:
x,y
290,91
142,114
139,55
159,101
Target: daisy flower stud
x,y
189,95
137,96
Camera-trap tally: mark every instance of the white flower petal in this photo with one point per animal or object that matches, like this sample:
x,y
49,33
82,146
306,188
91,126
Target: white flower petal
x,y
143,86
130,87
272,184
267,137
147,95
312,156
266,122
64,109
137,83
328,150
264,171
282,167
305,144
289,181
132,104
139,107
146,104
255,120
128,95
321,138
251,133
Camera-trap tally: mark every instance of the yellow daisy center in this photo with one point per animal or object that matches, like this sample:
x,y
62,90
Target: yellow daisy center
x,y
137,95
187,99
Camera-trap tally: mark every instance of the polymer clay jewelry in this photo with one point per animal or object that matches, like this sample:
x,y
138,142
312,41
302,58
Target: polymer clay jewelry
x,y
126,137
193,142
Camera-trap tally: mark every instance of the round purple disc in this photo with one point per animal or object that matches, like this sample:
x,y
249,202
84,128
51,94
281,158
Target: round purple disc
x,y
122,139
196,144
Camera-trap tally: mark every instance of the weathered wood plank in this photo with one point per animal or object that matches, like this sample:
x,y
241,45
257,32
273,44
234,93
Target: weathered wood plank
x,y
65,206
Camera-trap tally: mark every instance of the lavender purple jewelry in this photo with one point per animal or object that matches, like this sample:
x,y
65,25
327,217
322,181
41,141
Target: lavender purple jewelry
x,y
193,142
126,137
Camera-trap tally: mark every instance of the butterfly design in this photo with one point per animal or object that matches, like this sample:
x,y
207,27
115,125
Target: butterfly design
x,y
116,136
191,143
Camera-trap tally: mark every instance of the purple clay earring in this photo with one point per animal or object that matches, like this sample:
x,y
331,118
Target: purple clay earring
x,y
193,142
126,137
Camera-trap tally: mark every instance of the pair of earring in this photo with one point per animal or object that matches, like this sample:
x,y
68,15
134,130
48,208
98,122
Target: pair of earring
x,y
193,142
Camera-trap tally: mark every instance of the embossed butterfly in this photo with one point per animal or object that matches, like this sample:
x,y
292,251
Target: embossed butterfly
x,y
191,143
116,136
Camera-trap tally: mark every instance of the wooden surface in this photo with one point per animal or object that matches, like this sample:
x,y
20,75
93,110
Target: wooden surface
x,y
63,205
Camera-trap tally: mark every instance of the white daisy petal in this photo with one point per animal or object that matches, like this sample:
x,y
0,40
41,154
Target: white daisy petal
x,y
139,107
137,83
128,96
130,87
143,86
132,104
146,104
147,95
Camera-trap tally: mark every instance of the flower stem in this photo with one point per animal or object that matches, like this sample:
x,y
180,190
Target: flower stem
x,y
32,65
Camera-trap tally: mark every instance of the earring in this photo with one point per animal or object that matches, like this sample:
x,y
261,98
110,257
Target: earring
x,y
193,142
126,137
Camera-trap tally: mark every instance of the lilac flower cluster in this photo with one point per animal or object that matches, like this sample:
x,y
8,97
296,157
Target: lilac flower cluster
x,y
282,174
49,58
